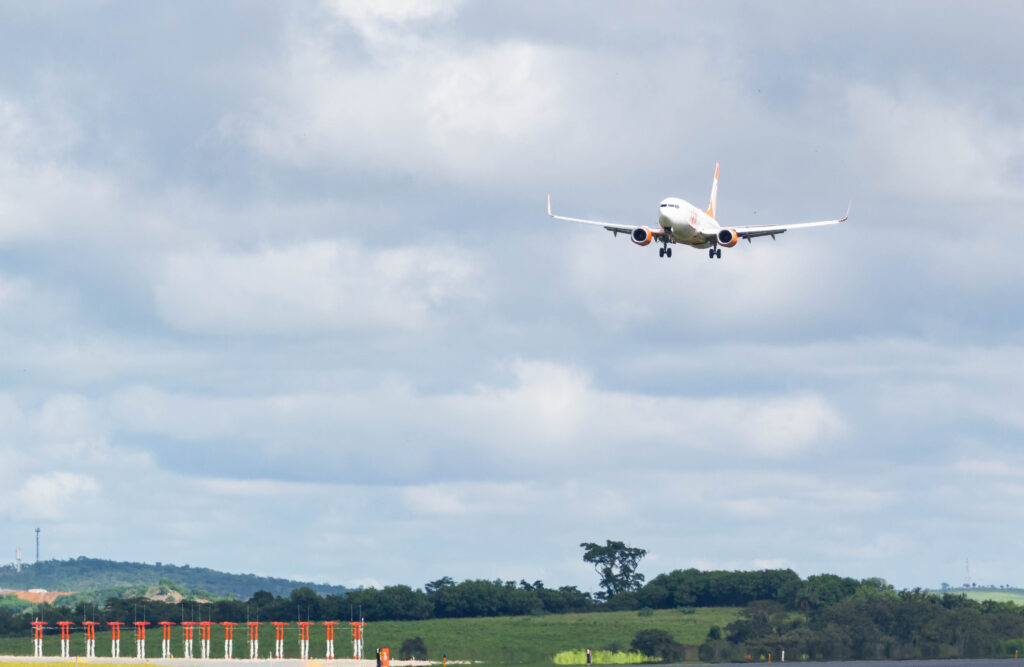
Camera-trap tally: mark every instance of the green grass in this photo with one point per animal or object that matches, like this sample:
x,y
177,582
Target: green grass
x,y
516,639
1015,595
579,657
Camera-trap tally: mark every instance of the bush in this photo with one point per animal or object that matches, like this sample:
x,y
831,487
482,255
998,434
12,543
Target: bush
x,y
579,657
719,650
625,601
659,644
414,646
645,611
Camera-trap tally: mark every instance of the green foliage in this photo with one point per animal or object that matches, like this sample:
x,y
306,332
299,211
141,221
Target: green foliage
x,y
170,585
90,574
413,646
658,643
694,588
825,617
720,650
447,599
875,623
981,594
616,564
579,657
759,620
13,603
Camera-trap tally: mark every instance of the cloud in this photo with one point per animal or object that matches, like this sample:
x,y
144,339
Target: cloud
x,y
36,140
312,287
760,290
916,143
545,421
484,499
489,114
312,292
437,112
13,290
379,20
769,563
53,495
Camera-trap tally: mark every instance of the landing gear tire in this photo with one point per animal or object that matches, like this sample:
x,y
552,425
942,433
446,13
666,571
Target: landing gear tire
x,y
661,252
668,252
718,253
711,253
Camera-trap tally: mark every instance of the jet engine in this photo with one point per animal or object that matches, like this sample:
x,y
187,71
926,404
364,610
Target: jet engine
x,y
728,237
641,236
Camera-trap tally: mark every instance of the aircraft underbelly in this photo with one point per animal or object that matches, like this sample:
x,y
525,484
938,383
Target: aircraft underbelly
x,y
685,233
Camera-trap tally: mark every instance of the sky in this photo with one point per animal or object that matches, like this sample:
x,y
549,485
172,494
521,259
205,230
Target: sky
x,y
278,291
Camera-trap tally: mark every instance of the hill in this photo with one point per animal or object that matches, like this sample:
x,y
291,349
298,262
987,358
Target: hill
x,y
92,574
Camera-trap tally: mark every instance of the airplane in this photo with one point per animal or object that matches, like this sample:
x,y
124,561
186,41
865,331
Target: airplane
x,y
681,222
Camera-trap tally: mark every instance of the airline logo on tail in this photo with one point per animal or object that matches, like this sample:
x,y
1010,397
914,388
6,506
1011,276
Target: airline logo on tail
x,y
713,206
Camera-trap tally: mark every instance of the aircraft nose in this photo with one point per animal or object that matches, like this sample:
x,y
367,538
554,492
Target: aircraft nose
x,y
665,216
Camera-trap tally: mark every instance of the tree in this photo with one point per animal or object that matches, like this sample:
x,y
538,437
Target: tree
x,y
616,564
658,644
414,646
434,586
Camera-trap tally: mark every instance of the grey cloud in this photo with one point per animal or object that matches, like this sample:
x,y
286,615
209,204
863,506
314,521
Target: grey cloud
x,y
173,177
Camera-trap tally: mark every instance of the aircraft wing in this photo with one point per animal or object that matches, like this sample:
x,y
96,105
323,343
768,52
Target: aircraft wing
x,y
753,231
613,227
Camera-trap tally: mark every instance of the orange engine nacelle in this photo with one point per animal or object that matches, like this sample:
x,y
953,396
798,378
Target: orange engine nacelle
x,y
641,236
728,237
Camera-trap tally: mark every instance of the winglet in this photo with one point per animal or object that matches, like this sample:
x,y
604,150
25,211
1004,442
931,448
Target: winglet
x,y
549,203
844,218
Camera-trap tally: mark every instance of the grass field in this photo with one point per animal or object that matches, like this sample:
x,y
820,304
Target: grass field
x,y
1015,595
997,596
516,639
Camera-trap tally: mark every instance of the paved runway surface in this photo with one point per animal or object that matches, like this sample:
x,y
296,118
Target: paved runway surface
x,y
178,662
986,662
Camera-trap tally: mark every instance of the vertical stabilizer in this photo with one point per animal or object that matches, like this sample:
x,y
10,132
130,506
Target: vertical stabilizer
x,y
713,206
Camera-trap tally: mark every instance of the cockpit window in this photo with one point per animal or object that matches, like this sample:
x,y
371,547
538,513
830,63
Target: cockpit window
x,y
670,205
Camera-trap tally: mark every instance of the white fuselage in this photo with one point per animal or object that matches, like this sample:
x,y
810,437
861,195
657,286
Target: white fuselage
x,y
686,223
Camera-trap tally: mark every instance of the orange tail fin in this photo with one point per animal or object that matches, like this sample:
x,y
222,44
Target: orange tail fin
x,y
713,206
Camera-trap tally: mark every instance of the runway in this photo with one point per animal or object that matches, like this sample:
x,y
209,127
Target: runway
x,y
178,662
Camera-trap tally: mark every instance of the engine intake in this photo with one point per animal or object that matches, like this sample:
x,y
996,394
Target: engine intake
x,y
641,236
728,237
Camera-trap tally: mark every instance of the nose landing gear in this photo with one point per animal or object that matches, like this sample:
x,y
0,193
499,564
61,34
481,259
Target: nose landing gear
x,y
665,252
714,252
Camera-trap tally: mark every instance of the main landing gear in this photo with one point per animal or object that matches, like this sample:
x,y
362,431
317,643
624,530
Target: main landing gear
x,y
715,252
665,252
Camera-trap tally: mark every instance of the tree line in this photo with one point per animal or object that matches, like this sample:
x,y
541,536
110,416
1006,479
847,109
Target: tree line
x,y
446,598
82,574
872,624
822,617
443,598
